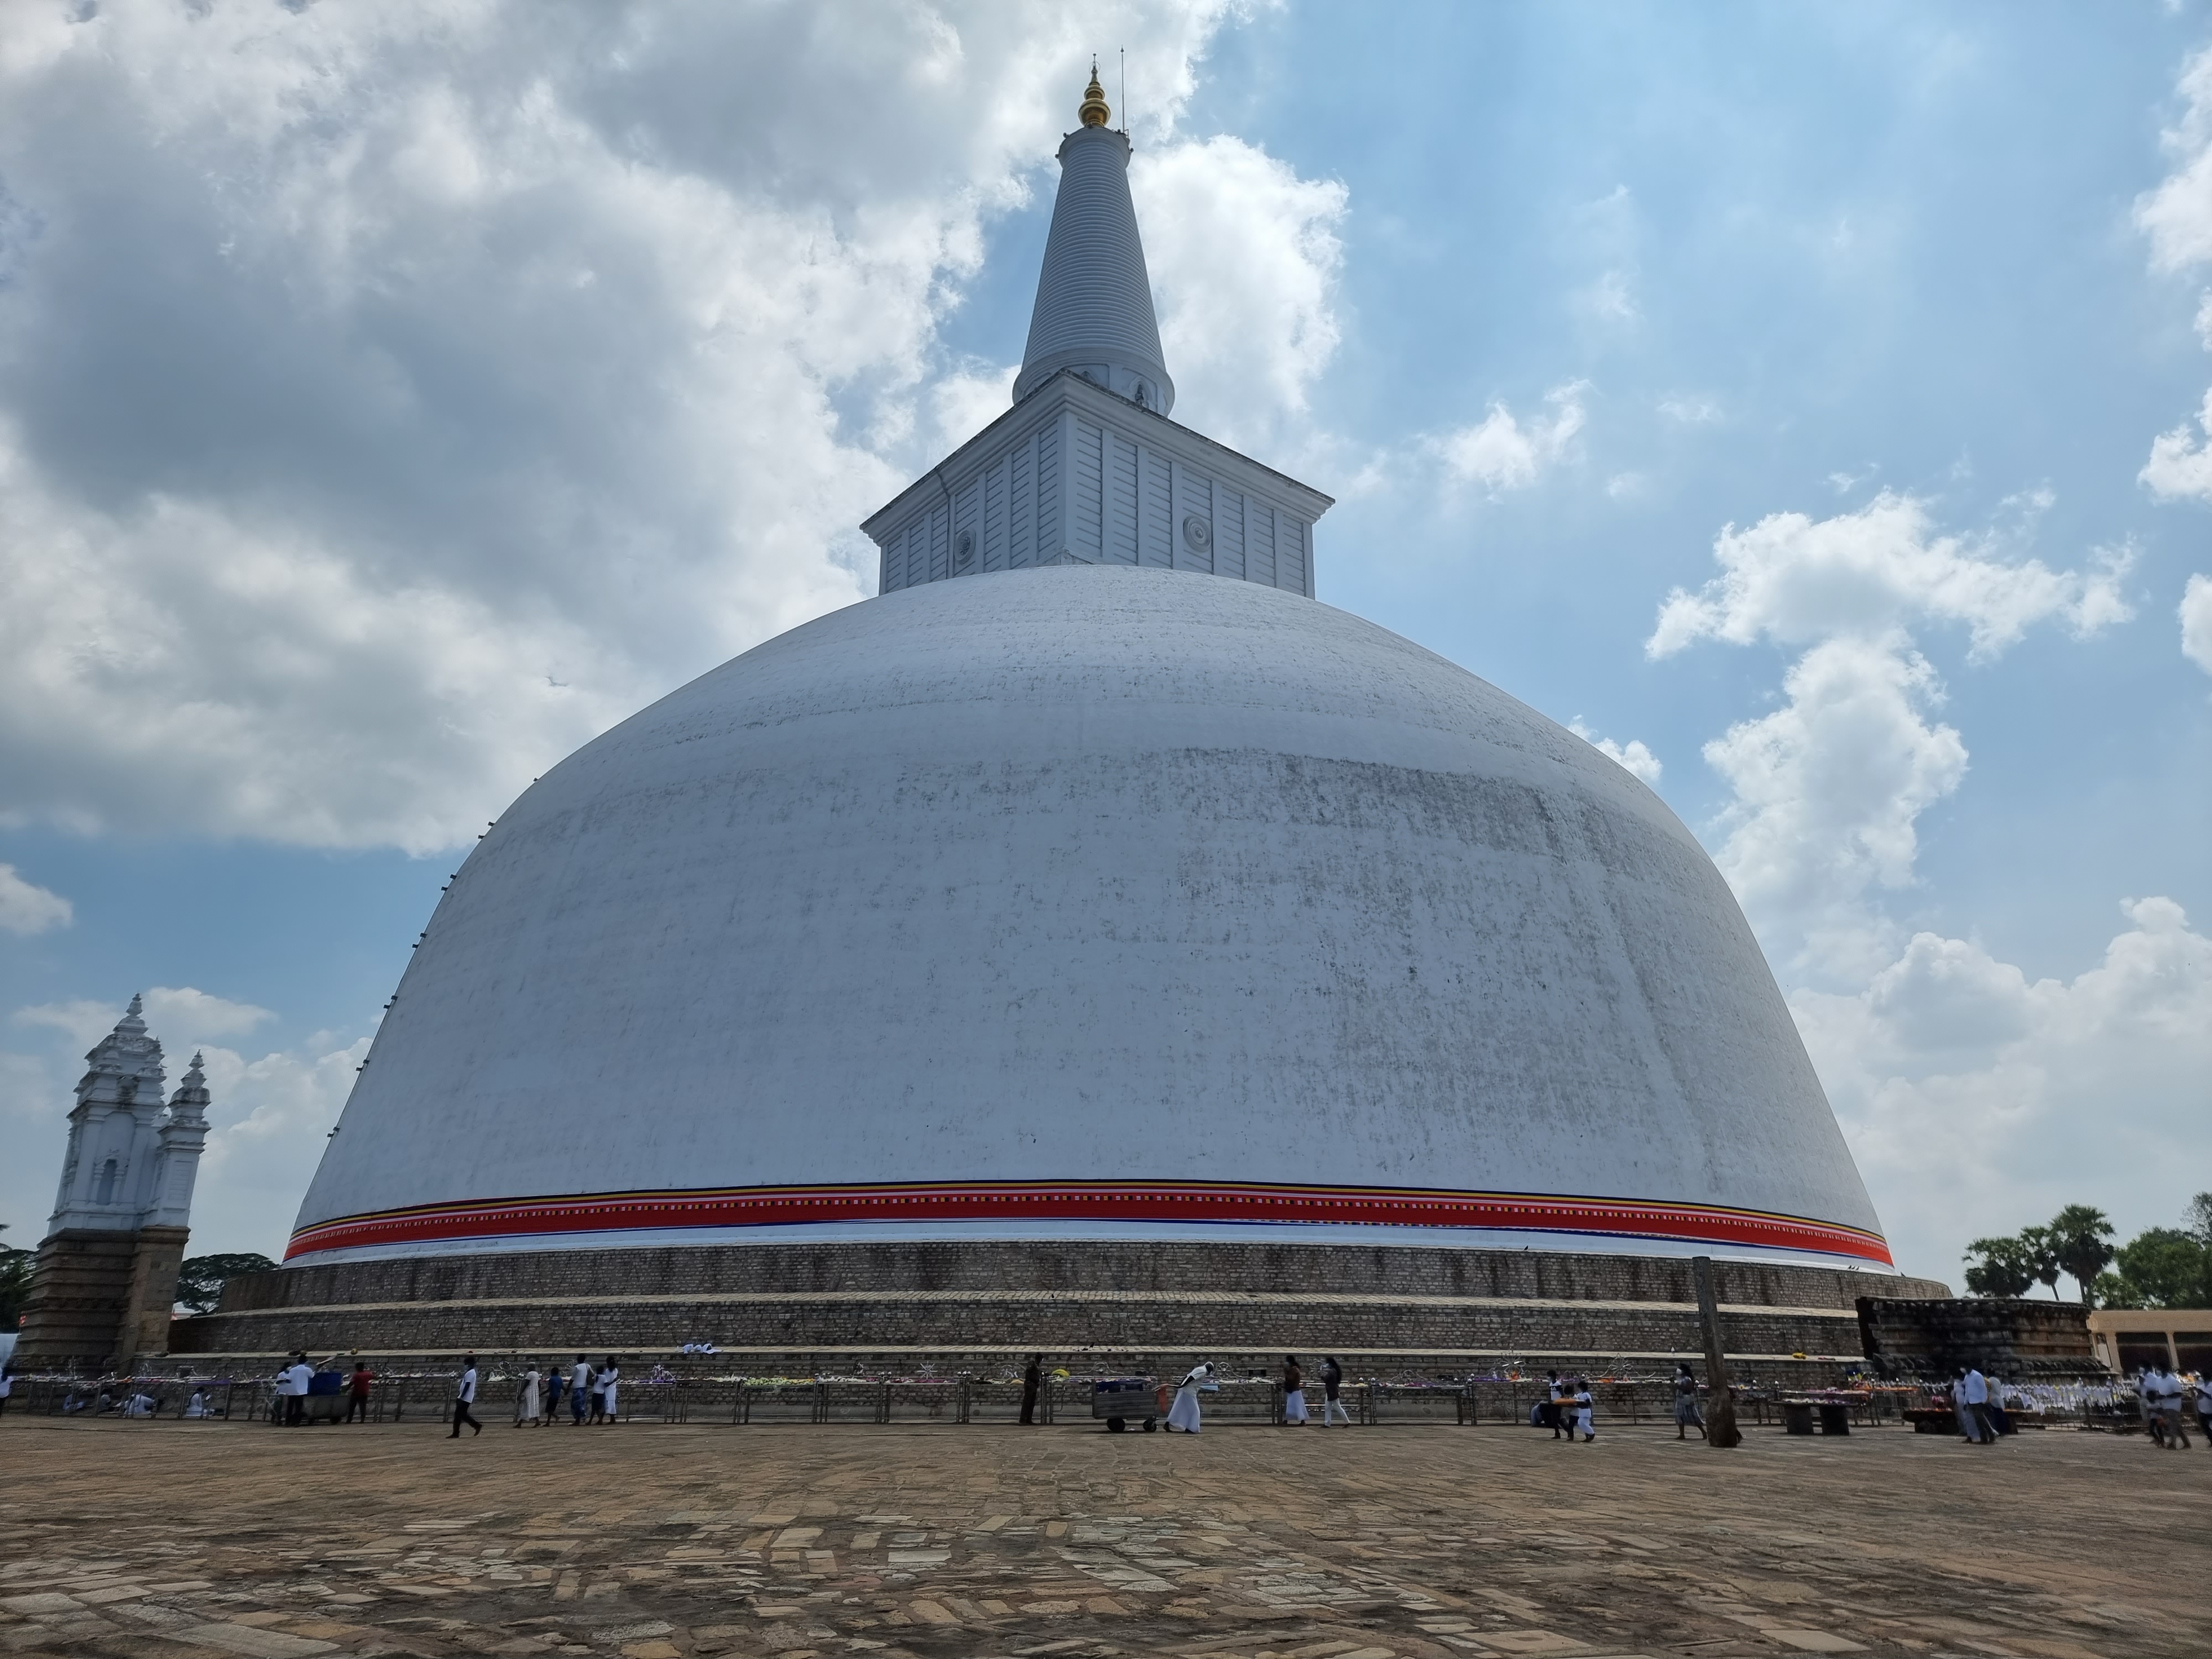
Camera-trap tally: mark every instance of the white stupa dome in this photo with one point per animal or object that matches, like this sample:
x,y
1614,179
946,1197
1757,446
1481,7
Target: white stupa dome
x,y
1096,901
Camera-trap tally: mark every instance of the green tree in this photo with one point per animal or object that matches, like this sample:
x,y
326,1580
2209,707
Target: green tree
x,y
2197,1219
200,1280
14,1282
2079,1239
2160,1268
1999,1267
2039,1251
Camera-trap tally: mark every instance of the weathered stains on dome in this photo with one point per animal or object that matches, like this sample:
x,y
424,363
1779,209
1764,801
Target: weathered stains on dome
x,y
1090,873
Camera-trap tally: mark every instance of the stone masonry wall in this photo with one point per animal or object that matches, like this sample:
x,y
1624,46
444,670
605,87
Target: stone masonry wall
x,y
912,1306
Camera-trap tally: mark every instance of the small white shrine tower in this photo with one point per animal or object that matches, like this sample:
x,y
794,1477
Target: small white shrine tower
x,y
105,1276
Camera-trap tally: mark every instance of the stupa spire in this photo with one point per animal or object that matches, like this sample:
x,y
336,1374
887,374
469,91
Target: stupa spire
x,y
1094,301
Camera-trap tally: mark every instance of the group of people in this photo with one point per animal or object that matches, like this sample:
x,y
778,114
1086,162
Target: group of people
x,y
1332,1389
594,1393
1568,1407
2169,1400
1979,1404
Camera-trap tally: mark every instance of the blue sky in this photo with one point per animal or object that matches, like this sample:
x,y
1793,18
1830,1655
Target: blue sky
x,y
388,403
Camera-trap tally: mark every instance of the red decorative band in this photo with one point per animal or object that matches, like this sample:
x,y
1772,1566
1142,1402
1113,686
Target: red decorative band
x,y
1226,1203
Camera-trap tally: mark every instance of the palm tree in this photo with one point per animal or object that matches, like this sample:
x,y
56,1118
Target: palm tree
x,y
2039,1248
2080,1242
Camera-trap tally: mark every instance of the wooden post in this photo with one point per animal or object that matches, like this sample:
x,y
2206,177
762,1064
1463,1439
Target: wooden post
x,y
1720,1417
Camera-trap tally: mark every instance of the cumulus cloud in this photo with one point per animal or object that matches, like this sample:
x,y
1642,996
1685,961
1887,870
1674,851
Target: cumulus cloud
x,y
1826,792
1632,756
2177,215
391,398
26,909
1244,256
180,1018
1827,788
2177,218
1792,579
2180,464
1500,452
272,1117
2196,622
1977,1099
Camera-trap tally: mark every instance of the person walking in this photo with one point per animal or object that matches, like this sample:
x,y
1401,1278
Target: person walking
x,y
609,1380
2170,1407
1184,1414
357,1388
465,1395
526,1398
1974,1394
2200,1390
1032,1380
1687,1414
1583,1405
1294,1393
1555,1406
7,1388
1332,1391
555,1380
580,1389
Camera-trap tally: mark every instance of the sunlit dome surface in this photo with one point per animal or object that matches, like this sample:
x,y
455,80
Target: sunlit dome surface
x,y
1096,901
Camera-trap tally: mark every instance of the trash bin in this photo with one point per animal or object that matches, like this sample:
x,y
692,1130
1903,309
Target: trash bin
x,y
1835,1417
1797,1416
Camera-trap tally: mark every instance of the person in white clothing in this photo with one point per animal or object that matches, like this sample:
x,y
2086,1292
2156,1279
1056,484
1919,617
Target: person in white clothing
x,y
580,1391
526,1407
609,1380
296,1378
465,1395
1583,1406
1974,1395
2170,1409
197,1405
1183,1414
7,1388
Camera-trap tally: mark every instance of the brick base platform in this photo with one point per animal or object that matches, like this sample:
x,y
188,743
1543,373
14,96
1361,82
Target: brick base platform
x,y
799,1309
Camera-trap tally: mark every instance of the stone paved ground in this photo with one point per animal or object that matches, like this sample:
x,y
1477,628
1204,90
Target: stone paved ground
x,y
173,1540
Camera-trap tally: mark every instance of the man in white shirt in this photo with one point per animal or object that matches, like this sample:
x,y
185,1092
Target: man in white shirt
x,y
580,1389
463,1397
2169,1396
1974,1391
296,1379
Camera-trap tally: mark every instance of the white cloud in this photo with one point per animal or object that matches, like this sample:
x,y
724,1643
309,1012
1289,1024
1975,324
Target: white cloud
x,y
2180,465
1827,790
1500,453
1244,257
272,1118
1690,411
1794,580
180,1018
1632,756
1977,1100
2195,612
2177,216
83,1021
185,1019
26,909
1828,787
391,398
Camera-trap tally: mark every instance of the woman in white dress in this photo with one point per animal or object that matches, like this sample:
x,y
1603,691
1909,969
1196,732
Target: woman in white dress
x,y
612,1377
526,1401
1294,1391
1183,1414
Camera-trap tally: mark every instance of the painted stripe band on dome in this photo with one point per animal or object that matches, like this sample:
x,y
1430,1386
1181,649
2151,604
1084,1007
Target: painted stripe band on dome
x,y
1227,1203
